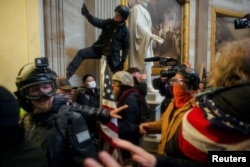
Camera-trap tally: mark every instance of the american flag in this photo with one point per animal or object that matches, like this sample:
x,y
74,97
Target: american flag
x,y
108,130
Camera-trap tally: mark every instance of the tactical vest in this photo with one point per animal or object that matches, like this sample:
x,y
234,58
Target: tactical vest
x,y
63,136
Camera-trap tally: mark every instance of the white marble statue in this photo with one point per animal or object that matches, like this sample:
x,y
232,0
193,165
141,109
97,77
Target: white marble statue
x,y
141,37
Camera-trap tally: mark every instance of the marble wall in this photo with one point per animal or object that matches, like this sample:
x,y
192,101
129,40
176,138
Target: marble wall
x,y
67,31
78,33
201,26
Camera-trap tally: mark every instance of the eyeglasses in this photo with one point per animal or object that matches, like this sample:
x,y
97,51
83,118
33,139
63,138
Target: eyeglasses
x,y
178,81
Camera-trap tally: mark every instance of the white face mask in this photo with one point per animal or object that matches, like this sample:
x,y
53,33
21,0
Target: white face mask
x,y
92,84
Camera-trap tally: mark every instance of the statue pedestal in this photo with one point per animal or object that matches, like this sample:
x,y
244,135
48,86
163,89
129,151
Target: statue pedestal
x,y
154,98
150,141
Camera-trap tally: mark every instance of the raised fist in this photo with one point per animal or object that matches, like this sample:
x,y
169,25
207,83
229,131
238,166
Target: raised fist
x,y
84,10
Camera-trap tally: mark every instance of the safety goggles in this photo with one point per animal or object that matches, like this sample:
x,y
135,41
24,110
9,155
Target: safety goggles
x,y
178,81
38,90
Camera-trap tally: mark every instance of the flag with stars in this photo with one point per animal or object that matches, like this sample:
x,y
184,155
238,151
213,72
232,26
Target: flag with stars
x,y
107,96
108,130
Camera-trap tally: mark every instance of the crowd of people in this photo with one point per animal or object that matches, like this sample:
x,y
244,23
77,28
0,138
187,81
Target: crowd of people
x,y
61,123
217,118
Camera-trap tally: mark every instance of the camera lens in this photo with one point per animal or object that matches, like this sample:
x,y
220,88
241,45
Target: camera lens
x,y
241,23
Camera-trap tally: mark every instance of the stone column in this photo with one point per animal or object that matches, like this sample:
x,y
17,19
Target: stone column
x,y
54,35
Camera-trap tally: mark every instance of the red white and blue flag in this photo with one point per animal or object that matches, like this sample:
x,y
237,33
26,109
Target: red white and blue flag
x,y
108,130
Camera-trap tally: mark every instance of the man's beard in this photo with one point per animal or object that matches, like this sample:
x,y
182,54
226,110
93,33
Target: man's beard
x,y
116,94
42,105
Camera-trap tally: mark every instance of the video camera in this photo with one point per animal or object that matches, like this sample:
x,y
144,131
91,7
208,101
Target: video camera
x,y
242,22
42,62
169,65
42,67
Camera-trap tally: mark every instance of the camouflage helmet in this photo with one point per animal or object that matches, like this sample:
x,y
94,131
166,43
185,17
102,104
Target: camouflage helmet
x,y
124,77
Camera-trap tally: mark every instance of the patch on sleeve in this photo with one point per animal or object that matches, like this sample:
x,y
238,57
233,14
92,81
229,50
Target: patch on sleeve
x,y
83,136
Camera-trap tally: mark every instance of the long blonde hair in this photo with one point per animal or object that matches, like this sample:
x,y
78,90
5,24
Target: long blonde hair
x,y
232,65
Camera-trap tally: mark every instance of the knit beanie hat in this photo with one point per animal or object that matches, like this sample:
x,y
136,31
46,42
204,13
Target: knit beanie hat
x,y
9,108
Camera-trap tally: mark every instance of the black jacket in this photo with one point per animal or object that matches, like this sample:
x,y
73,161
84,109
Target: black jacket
x,y
115,32
128,126
89,98
92,99
88,112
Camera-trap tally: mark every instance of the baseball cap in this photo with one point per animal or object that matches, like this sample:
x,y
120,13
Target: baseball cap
x,y
63,83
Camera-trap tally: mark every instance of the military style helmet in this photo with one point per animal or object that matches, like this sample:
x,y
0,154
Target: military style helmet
x,y
124,77
123,10
191,75
34,74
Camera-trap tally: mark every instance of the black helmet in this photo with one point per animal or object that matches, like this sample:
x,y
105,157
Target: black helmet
x,y
34,74
123,10
191,75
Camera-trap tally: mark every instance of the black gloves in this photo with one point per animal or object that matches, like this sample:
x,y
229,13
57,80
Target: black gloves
x,y
84,10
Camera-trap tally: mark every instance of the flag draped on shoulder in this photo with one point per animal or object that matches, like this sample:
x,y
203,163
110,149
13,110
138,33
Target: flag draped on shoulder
x,y
108,130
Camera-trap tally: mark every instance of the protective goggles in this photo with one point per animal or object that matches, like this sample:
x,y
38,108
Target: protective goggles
x,y
38,90
178,81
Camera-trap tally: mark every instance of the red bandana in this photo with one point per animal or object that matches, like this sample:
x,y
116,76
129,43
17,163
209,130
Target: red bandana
x,y
181,96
